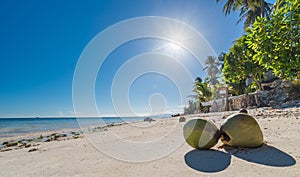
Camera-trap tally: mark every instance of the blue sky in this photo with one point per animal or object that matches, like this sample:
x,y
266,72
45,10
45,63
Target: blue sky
x,y
41,42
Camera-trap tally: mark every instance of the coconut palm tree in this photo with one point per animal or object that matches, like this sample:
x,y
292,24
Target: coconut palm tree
x,y
249,9
212,70
203,92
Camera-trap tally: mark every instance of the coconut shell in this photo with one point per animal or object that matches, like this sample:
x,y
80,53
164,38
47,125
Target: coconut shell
x,y
241,130
201,133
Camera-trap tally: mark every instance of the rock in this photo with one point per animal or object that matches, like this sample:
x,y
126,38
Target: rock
x,y
32,150
148,119
47,140
59,136
29,140
75,133
286,84
21,144
243,111
182,119
3,150
11,143
28,145
273,104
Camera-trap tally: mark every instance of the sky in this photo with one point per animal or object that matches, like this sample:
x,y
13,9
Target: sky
x,y
42,42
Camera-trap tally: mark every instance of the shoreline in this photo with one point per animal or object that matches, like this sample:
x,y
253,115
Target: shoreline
x,y
98,154
33,139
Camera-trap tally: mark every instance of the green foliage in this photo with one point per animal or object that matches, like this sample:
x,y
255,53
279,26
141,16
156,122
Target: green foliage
x,y
271,44
202,90
202,94
276,41
238,66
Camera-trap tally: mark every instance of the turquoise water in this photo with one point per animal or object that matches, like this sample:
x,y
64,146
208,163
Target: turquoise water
x,y
10,127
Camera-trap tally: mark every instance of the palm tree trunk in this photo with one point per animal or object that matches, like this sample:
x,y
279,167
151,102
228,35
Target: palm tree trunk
x,y
262,7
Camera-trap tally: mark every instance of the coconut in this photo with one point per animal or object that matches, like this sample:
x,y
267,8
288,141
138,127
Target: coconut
x,y
241,130
201,133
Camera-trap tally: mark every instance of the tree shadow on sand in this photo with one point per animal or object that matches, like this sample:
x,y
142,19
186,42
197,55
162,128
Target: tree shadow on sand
x,y
207,160
265,155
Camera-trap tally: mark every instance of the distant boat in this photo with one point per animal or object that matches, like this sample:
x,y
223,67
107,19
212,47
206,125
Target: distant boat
x,y
37,117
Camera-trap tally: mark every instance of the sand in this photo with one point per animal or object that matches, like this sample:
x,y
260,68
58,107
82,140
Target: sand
x,y
158,149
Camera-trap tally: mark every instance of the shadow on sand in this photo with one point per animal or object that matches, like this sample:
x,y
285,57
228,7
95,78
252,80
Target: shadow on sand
x,y
265,155
207,160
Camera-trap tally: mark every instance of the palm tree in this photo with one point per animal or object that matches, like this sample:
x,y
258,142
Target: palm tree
x,y
249,9
203,92
212,70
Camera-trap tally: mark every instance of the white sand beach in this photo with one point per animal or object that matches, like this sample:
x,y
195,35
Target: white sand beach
x,y
157,149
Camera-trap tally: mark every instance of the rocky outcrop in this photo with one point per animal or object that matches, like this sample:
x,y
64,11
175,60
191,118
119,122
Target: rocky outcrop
x,y
277,96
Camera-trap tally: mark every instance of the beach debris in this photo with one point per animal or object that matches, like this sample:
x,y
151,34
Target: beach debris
x,y
182,119
201,133
241,130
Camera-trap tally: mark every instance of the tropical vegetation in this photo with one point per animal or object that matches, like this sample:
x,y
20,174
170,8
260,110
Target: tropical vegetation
x,y
276,41
270,43
249,10
212,69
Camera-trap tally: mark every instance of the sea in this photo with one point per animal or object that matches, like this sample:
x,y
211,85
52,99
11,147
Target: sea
x,y
10,127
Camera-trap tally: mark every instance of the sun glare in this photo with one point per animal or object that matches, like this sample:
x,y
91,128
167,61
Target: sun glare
x,y
174,47
170,48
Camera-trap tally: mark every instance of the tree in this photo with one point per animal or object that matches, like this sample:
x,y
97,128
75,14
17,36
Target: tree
x,y
212,70
239,65
203,93
191,108
202,90
275,41
221,59
249,10
253,9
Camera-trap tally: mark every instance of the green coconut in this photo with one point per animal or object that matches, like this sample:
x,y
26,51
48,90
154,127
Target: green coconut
x,y
241,130
201,133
